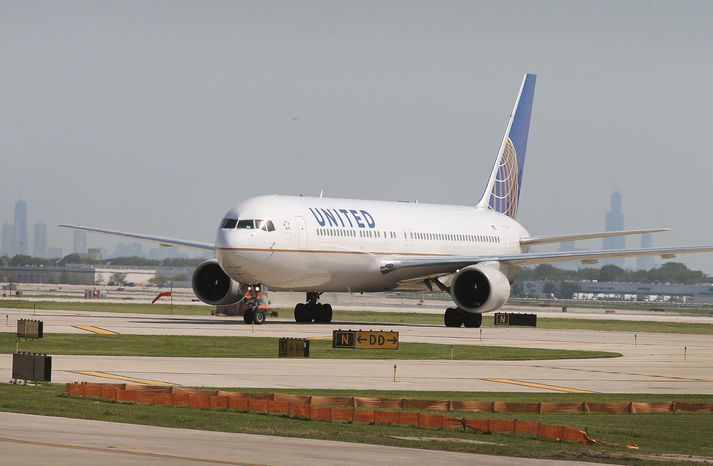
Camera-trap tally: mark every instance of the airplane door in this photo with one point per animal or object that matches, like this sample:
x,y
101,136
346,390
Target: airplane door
x,y
506,235
301,227
408,237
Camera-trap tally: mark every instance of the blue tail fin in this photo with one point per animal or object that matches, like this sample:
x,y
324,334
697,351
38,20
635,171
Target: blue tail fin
x,y
503,191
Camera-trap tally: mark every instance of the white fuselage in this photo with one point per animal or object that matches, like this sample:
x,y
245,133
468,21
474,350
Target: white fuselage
x,y
322,244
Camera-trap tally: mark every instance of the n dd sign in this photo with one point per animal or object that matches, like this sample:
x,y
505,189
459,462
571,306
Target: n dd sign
x,y
360,339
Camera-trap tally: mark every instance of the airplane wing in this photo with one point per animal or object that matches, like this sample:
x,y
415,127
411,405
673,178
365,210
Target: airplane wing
x,y
161,240
533,240
408,268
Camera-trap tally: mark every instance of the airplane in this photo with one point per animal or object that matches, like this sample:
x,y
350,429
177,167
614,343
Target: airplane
x,y
316,245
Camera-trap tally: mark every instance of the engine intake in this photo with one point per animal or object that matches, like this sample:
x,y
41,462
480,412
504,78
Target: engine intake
x,y
213,286
480,288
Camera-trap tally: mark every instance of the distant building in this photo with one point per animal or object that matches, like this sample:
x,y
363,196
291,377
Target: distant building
x,y
614,221
94,254
129,250
39,240
79,242
162,253
22,245
615,291
645,262
8,240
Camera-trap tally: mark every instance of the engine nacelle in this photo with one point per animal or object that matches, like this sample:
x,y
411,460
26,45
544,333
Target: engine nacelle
x,y
480,288
213,286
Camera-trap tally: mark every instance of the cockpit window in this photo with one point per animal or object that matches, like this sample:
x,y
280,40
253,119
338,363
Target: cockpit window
x,y
265,225
229,223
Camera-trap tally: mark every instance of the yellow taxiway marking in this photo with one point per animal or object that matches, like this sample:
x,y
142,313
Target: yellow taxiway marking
x,y
539,385
97,330
320,338
106,375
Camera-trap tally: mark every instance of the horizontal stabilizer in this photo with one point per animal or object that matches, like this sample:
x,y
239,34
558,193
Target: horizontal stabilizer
x,y
533,240
161,240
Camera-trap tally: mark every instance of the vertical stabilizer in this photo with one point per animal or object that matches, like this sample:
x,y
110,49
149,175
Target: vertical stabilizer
x,y
502,193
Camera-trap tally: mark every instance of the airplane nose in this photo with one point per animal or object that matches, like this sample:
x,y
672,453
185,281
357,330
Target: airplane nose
x,y
222,238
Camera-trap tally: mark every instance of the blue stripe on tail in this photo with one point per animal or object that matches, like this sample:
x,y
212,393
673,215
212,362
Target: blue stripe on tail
x,y
505,192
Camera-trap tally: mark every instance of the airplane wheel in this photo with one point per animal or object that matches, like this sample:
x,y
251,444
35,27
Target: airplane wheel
x,y
249,316
472,320
453,317
301,313
323,313
260,317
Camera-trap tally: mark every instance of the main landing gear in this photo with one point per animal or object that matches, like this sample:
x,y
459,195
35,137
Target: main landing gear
x,y
457,317
313,310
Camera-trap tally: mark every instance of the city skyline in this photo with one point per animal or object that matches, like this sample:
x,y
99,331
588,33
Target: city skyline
x,y
15,240
98,131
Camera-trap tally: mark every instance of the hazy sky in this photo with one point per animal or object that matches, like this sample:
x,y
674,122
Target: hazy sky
x,y
158,116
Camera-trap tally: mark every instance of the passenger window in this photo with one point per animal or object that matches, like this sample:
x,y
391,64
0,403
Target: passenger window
x,y
229,223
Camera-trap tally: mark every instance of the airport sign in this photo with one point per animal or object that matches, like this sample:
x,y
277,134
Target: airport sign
x,y
365,339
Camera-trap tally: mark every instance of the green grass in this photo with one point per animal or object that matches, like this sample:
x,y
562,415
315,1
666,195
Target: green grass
x,y
356,317
542,322
98,306
258,347
686,434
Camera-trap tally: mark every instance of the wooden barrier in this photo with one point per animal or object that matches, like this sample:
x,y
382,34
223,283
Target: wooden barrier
x,y
237,403
408,419
430,421
387,418
299,411
258,405
218,402
199,401
320,414
343,414
341,409
364,416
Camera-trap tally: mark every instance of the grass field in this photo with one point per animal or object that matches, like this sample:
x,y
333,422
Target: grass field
x,y
257,347
99,306
679,434
542,322
386,317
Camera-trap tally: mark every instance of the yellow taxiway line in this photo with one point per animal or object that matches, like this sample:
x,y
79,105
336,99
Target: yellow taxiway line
x,y
539,385
97,330
106,375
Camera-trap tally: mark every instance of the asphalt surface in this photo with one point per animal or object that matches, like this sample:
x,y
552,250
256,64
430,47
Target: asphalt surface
x,y
40,440
651,362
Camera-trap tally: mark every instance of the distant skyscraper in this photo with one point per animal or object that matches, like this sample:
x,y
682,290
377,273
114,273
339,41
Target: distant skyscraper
x,y
21,228
80,242
614,221
39,240
645,262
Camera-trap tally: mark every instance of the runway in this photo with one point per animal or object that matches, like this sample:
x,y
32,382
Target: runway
x,y
41,440
651,362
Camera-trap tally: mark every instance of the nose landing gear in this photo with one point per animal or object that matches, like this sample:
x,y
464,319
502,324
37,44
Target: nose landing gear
x,y
256,306
313,310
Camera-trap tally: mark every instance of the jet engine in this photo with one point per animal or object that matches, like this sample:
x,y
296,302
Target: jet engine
x,y
213,286
480,288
